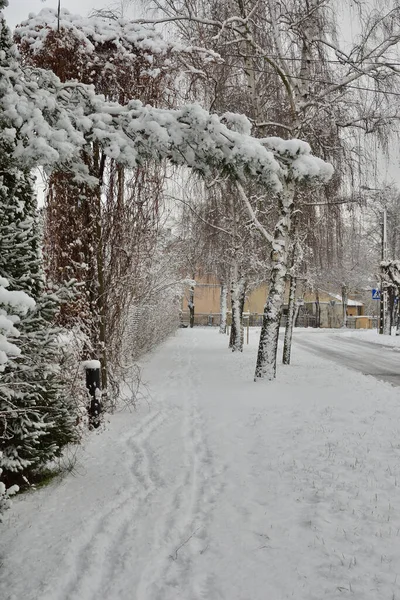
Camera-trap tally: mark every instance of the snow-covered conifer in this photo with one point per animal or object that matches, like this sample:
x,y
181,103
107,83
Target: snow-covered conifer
x,y
37,419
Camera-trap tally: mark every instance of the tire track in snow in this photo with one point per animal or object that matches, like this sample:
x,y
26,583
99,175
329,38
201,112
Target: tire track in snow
x,y
103,535
183,537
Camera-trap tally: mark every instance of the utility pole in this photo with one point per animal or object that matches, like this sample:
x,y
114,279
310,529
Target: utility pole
x,y
383,300
58,15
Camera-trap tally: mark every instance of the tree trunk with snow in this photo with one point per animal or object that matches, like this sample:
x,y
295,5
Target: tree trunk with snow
x,y
223,305
398,312
389,320
241,307
345,299
237,299
293,308
317,309
191,306
291,316
268,345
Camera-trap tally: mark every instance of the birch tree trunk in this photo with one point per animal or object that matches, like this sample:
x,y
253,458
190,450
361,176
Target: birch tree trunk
x,y
293,309
223,305
237,281
268,346
237,299
292,313
389,310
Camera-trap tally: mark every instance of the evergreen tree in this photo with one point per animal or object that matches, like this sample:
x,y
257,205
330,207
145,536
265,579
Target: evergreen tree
x,y
38,418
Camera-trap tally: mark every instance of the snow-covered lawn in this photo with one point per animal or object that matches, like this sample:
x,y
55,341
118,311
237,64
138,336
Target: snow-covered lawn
x,y
220,488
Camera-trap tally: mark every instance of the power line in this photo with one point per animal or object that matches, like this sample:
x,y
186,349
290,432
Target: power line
x,y
318,60
322,81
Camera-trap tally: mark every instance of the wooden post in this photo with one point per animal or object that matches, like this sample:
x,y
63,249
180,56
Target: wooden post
x,y
92,370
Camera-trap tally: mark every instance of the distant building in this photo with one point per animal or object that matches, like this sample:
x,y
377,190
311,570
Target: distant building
x,y
324,308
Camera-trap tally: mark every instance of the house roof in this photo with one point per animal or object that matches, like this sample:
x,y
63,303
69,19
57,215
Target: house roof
x,y
339,298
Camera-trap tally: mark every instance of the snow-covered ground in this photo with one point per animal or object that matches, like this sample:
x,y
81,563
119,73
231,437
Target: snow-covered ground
x,y
365,335
222,488
372,336
364,351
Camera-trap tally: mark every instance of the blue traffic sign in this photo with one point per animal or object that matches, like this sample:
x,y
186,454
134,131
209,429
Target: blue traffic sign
x,y
376,294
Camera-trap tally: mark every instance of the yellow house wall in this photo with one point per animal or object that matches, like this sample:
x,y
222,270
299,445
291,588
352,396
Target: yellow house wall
x,y
255,301
207,299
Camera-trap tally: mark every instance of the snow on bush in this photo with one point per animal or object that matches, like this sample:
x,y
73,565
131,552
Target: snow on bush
x,y
19,302
120,34
6,494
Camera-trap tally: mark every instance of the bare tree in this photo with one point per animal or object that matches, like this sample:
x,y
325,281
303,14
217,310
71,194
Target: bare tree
x,y
299,81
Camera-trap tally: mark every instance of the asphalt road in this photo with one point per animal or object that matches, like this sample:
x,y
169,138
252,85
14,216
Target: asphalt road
x,y
380,361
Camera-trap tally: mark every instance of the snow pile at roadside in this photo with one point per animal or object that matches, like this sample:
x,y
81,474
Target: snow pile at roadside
x,y
372,336
222,488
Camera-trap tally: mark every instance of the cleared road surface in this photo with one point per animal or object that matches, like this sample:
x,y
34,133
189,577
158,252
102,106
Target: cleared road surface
x,y
380,361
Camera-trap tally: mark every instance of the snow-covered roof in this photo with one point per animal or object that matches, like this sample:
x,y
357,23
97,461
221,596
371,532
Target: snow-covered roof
x,y
339,298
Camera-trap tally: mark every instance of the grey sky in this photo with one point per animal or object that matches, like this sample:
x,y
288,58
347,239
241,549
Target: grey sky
x,y
18,10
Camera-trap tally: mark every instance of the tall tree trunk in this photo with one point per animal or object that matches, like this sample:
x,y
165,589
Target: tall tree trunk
x,y
317,309
345,299
389,310
242,299
268,346
191,306
237,300
223,305
236,280
292,308
249,63
393,309
292,314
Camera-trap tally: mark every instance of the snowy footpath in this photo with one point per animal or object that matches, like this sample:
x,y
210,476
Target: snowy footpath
x,y
220,488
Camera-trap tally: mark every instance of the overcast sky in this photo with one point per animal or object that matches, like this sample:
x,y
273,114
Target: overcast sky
x,y
18,10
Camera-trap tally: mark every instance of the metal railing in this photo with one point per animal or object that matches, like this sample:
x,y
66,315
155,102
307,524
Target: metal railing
x,y
255,319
